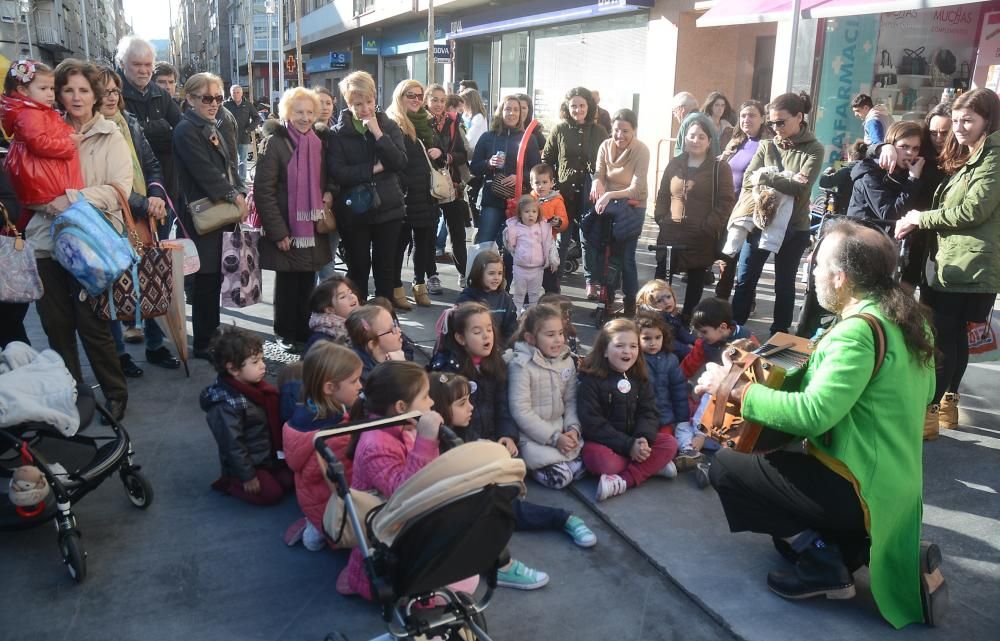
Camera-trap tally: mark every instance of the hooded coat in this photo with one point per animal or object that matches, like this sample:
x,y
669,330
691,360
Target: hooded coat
x,y
878,194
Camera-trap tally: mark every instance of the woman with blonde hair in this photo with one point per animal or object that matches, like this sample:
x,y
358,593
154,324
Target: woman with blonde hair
x,y
364,156
205,169
420,221
288,190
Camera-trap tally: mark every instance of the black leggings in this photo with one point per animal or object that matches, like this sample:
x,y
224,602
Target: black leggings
x,y
455,214
424,239
371,248
952,314
695,283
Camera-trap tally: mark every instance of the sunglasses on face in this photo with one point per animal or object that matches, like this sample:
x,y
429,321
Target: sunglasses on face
x,y
409,95
776,124
207,99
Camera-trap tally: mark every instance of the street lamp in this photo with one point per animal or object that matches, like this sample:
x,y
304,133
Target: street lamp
x,y
25,6
269,10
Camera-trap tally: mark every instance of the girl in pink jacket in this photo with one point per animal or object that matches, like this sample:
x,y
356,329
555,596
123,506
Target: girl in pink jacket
x,y
529,241
384,459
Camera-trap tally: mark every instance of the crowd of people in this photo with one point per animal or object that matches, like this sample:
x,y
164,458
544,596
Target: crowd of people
x,y
507,367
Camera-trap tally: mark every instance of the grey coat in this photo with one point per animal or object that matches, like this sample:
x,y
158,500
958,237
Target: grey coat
x,y
542,398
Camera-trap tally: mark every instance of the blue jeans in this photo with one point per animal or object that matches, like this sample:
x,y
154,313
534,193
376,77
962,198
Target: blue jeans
x,y
328,269
786,267
152,332
491,220
243,151
442,236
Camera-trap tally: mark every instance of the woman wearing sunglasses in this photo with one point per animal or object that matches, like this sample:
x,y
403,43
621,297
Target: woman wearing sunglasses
x,y
205,169
793,148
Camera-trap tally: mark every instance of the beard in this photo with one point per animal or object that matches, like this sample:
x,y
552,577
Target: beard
x,y
827,296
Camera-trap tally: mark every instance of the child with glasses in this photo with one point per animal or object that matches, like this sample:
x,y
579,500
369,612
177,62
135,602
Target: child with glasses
x,y
375,336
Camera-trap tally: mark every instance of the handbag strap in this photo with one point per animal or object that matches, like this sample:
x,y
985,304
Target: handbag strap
x,y
130,225
715,186
426,155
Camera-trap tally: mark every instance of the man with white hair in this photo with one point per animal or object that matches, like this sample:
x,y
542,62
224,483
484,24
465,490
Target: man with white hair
x,y
156,112
684,107
247,119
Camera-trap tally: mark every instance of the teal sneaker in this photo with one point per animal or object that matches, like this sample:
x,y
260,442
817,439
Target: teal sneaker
x,y
520,577
582,535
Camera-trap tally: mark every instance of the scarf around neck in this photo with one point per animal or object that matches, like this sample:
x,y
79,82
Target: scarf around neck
x,y
265,395
329,324
138,183
422,125
305,195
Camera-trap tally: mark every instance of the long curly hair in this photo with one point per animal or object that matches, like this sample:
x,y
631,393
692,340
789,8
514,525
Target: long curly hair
x,y
584,93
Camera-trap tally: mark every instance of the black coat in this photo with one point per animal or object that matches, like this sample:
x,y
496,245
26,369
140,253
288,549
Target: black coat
x,y
508,142
879,194
421,209
150,169
203,171
156,112
351,157
613,418
491,417
270,192
240,429
247,118
450,141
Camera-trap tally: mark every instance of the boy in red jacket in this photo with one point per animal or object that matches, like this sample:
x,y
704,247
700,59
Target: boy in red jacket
x,y
552,209
43,161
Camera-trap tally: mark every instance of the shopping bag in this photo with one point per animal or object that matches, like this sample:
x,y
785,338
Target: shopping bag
x,y
477,249
20,282
983,346
240,268
885,73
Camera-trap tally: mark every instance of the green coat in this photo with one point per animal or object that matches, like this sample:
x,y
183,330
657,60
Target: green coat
x,y
876,433
967,219
805,157
572,149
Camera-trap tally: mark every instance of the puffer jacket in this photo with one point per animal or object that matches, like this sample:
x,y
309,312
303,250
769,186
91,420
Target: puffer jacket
x,y
203,171
669,387
240,430
270,192
42,161
966,217
351,157
491,413
614,418
805,157
311,489
687,212
532,245
507,141
421,210
877,194
542,395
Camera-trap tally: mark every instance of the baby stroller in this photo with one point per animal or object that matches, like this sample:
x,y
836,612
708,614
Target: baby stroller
x,y
451,520
72,466
598,229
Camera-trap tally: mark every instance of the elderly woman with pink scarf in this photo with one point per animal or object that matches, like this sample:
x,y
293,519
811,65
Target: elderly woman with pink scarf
x,y
288,191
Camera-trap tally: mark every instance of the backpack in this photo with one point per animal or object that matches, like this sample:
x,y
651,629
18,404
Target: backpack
x,y
89,247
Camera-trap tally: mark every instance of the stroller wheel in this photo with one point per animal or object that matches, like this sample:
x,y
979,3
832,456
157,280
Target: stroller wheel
x,y
139,490
466,632
73,555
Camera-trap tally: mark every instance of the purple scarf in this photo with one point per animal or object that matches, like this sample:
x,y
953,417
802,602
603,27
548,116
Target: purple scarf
x,y
305,194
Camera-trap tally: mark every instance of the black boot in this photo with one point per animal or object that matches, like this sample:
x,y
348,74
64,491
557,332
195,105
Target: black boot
x,y
819,571
629,311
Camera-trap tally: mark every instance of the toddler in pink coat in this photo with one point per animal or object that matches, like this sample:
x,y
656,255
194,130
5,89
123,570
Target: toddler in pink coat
x,y
529,241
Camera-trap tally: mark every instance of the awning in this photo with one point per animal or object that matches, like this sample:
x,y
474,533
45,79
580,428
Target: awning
x,y
732,12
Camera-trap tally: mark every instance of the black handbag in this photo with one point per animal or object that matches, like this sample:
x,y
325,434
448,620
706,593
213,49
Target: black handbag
x,y
914,63
885,74
361,198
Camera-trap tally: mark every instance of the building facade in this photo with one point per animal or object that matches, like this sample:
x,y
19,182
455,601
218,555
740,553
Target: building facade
x,y
53,30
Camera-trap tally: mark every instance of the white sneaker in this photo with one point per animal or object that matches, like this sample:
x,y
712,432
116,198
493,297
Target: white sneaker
x,y
610,485
461,282
434,285
669,471
313,539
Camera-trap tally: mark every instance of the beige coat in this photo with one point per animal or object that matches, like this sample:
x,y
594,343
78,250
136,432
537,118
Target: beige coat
x,y
105,159
542,397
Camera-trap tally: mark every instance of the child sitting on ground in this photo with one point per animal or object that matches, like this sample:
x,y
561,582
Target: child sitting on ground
x,y
331,302
617,410
712,321
375,336
242,412
553,210
542,393
331,380
529,241
487,286
669,386
658,296
565,306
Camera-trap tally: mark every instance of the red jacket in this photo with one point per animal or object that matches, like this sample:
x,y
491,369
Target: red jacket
x,y
43,161
311,489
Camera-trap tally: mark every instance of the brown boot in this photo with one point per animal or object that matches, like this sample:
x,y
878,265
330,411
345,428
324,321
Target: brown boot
x,y
399,300
931,422
420,295
948,416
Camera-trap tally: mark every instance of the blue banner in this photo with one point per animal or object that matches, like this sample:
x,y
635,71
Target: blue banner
x,y
848,66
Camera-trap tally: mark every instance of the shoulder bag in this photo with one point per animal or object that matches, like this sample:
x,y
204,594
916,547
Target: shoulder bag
x,y
442,188
209,215
144,290
20,282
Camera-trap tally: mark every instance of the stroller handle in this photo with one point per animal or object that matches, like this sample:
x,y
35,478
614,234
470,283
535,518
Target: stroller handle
x,y
665,248
334,468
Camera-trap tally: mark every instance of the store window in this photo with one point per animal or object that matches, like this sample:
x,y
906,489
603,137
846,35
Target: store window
x,y
514,63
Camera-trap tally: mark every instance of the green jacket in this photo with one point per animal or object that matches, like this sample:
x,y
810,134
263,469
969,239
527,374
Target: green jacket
x,y
805,157
967,219
876,441
572,149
